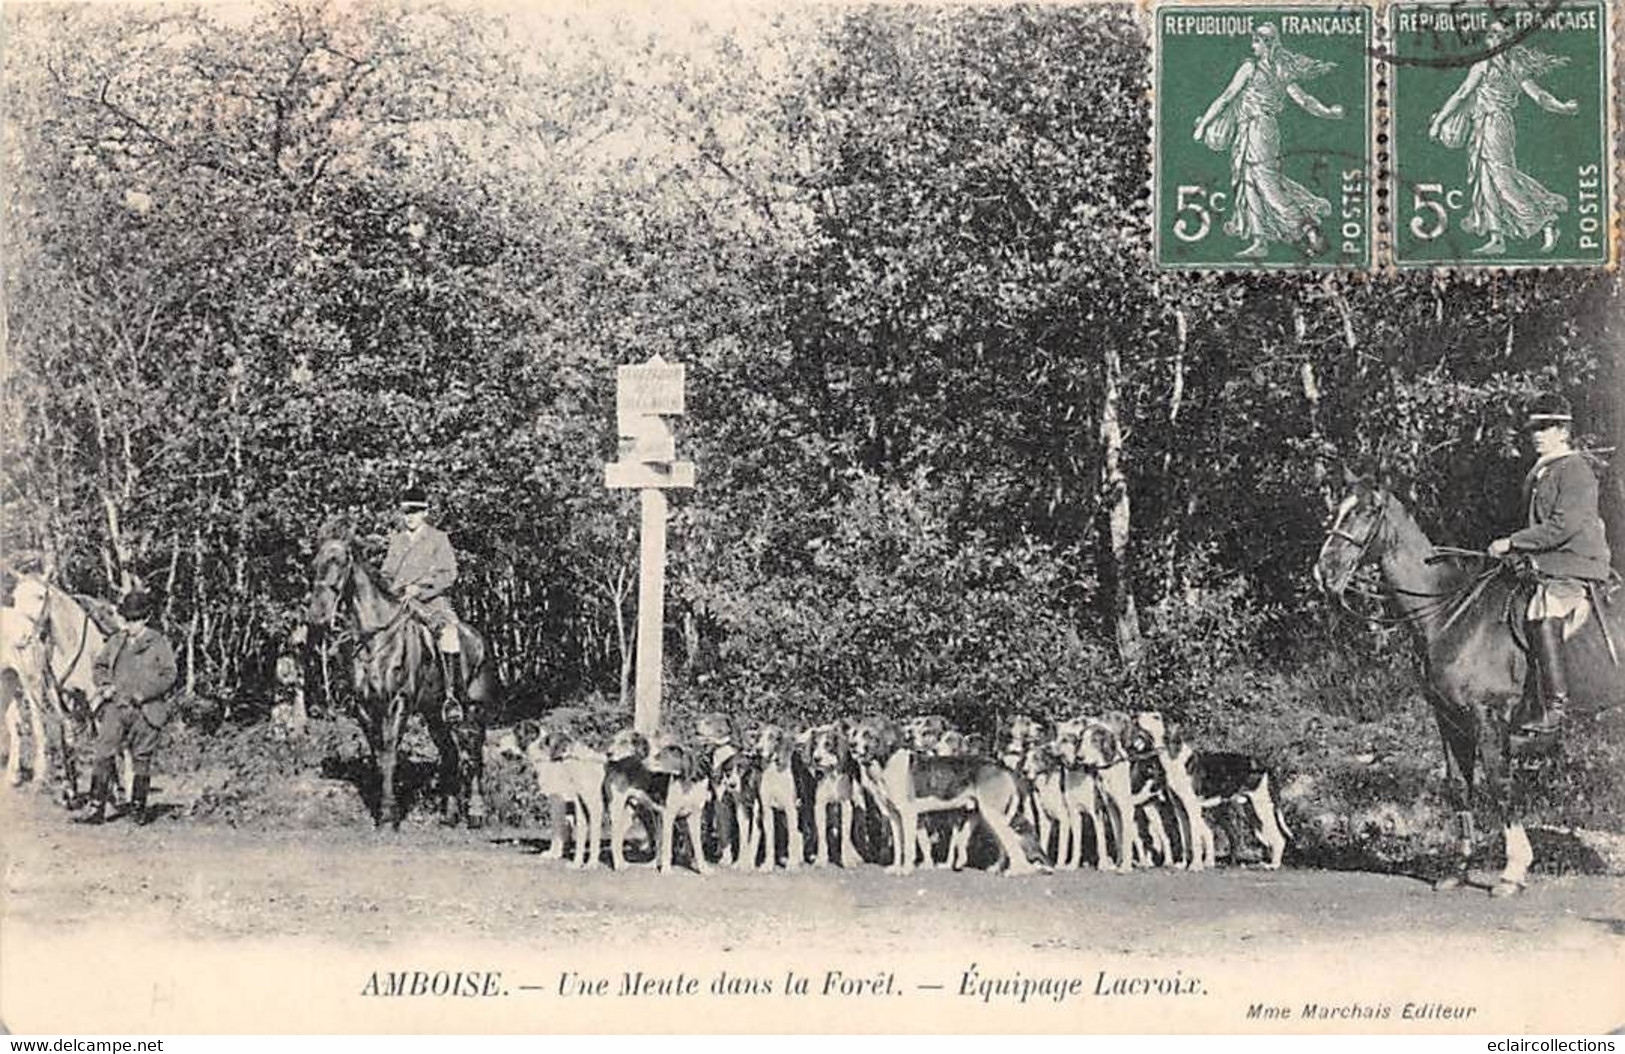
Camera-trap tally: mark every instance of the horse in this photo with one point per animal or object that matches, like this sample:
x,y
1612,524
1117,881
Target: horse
x,y
1466,617
396,671
49,640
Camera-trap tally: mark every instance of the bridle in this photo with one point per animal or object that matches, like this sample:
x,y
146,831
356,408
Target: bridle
x,y
1362,547
337,591
42,633
346,586
1459,598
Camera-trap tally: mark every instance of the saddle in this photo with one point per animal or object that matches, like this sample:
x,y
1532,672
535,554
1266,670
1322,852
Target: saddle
x,y
1601,596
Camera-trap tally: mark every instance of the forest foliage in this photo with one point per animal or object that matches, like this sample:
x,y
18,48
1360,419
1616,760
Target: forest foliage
x,y
961,448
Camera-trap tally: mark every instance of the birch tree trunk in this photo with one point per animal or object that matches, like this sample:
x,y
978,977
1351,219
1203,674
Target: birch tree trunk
x,y
1174,522
1115,579
110,485
232,676
193,625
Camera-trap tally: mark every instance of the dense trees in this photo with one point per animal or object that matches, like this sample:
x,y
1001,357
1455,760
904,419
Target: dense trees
x,y
958,444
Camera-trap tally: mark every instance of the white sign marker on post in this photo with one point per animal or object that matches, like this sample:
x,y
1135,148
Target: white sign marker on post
x,y
644,395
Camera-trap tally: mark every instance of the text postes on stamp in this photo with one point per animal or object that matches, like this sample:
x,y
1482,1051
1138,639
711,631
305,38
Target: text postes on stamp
x,y
1263,136
1499,133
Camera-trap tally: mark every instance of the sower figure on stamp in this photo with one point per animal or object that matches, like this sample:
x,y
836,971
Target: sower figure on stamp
x,y
421,567
1269,207
1566,547
1506,201
133,673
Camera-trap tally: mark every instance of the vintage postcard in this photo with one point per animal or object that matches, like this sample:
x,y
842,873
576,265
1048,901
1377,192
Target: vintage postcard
x,y
802,518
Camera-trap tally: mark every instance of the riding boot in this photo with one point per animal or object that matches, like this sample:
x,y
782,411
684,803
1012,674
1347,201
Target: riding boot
x,y
1554,688
101,785
451,671
138,800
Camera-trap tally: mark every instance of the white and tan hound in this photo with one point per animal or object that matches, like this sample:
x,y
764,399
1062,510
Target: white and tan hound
x,y
835,782
629,784
1046,777
687,772
570,775
778,793
735,778
1225,778
906,787
1196,843
1092,746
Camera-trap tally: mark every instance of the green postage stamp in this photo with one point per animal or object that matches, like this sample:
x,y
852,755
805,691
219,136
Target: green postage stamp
x,y
1263,149
1499,122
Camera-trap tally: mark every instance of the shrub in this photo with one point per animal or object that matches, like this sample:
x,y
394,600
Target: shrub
x,y
890,611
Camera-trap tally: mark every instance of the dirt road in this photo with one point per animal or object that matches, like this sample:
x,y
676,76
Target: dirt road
x,y
208,927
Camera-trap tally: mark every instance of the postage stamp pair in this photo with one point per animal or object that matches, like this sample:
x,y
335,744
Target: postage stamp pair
x,y
1366,134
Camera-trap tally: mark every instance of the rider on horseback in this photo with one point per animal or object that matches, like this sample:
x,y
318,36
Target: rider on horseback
x,y
1564,544
421,568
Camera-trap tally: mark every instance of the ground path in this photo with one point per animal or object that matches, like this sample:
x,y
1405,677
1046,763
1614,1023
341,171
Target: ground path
x,y
199,928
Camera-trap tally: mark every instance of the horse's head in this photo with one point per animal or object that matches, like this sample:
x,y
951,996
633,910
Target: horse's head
x,y
29,595
1357,533
329,579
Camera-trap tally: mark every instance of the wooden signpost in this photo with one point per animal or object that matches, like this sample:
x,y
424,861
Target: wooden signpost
x,y
644,396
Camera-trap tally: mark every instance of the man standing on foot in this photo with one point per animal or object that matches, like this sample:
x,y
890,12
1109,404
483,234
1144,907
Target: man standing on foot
x,y
133,673
1566,547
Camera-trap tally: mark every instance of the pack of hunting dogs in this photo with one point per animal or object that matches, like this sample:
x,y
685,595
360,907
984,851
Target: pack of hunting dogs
x,y
1113,792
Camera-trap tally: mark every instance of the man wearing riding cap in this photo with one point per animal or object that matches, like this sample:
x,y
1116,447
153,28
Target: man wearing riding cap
x,y
421,567
133,672
1565,544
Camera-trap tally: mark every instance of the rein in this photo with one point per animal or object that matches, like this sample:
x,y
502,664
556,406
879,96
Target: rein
x,y
403,608
407,610
1460,599
1455,601
42,633
79,652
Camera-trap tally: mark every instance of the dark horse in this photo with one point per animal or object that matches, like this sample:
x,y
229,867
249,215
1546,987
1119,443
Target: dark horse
x,y
396,671
1466,617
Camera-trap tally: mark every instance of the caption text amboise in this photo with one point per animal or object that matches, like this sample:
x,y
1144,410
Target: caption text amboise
x,y
972,982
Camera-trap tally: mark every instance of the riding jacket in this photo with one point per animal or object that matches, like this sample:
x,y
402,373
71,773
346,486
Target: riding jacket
x,y
1564,536
423,559
139,664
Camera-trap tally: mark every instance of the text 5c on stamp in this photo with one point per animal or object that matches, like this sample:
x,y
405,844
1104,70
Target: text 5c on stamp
x,y
1262,156
1499,124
